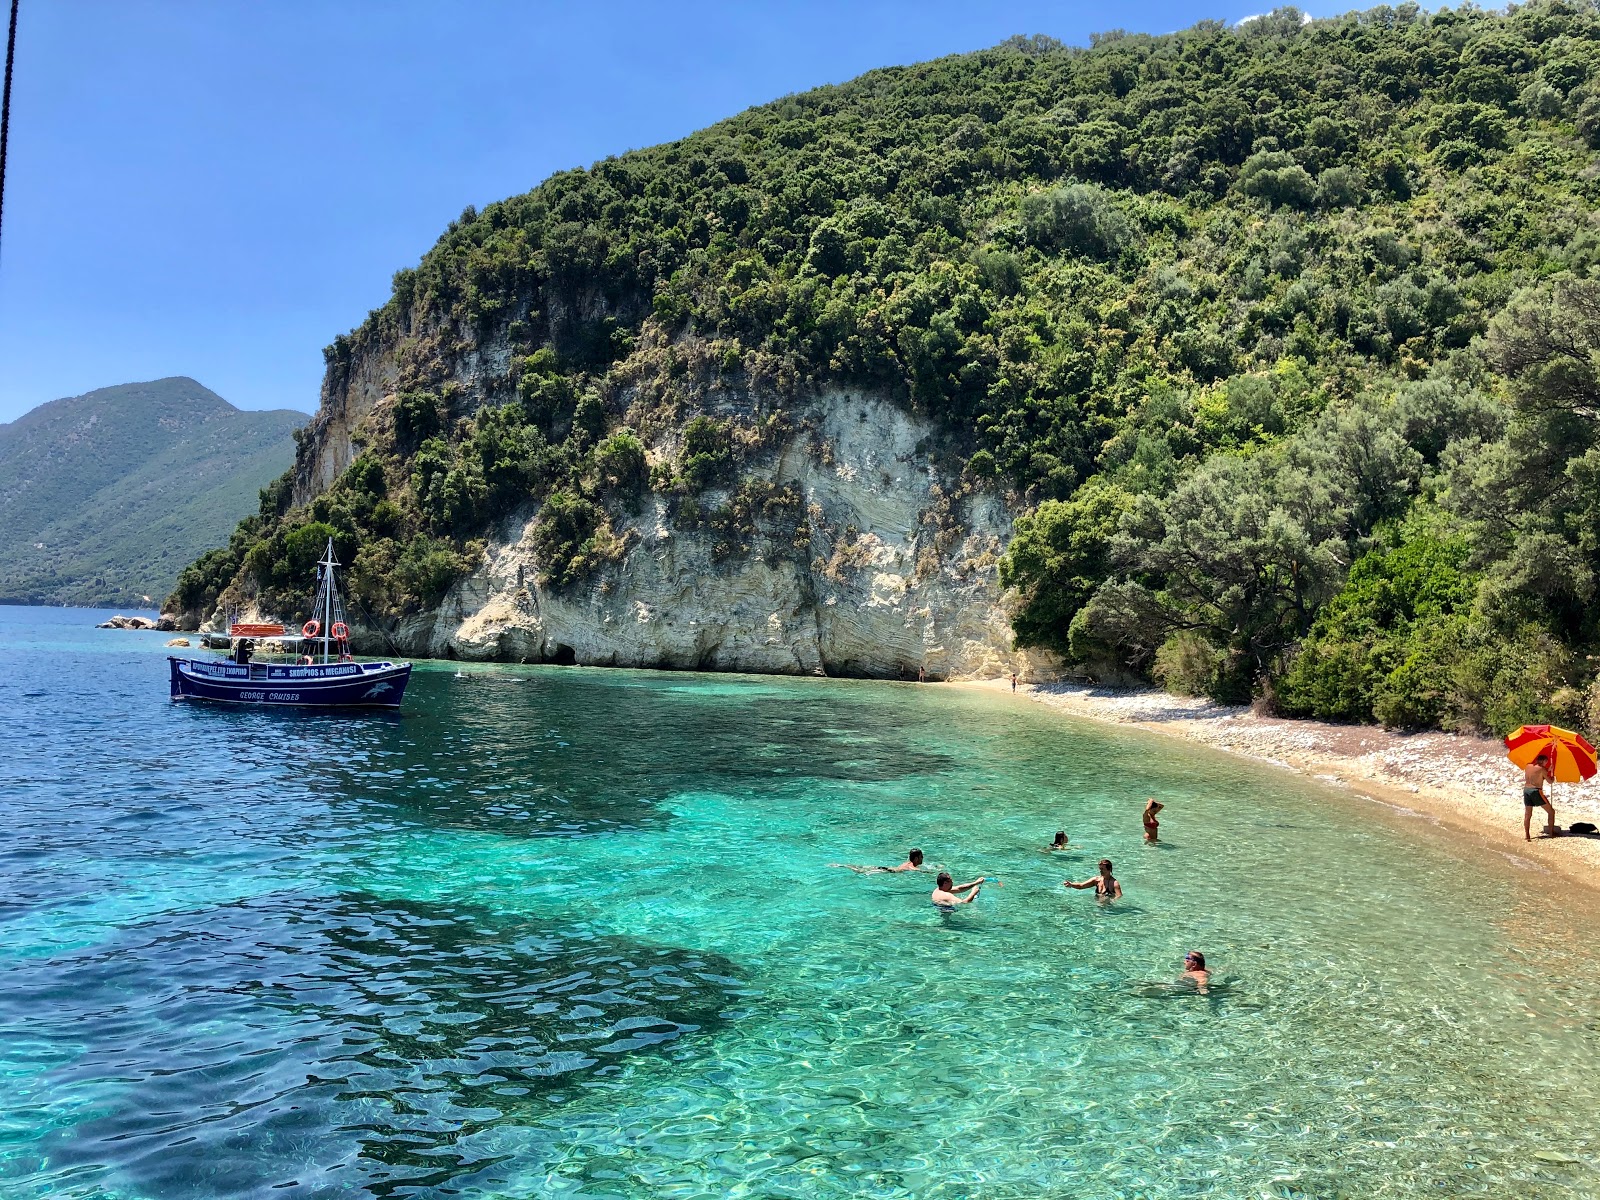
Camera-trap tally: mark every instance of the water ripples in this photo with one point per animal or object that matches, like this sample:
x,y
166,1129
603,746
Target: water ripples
x,y
574,933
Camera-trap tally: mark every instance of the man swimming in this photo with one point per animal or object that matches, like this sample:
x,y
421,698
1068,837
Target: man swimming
x,y
1105,885
1535,776
913,862
1061,841
1194,970
947,894
1152,827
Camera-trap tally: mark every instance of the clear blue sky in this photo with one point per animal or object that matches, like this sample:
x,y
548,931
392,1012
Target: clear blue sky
x,y
218,189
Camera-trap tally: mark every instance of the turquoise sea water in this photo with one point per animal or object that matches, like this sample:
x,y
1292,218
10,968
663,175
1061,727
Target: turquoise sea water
x,y
559,932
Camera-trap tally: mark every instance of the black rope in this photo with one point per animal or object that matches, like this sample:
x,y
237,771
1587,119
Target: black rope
x,y
5,102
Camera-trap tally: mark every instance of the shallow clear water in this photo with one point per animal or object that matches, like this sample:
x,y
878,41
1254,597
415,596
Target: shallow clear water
x,y
561,932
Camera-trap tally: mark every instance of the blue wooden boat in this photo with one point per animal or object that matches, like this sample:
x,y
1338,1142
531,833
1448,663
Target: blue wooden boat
x,y
324,677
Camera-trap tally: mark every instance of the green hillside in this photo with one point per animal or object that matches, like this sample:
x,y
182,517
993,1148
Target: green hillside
x,y
1281,339
104,497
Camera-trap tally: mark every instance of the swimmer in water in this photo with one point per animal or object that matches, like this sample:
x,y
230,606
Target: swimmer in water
x,y
946,893
1152,827
913,862
1104,884
1194,970
1061,841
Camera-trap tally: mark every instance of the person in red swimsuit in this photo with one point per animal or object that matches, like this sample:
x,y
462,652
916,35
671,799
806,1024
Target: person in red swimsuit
x,y
1152,827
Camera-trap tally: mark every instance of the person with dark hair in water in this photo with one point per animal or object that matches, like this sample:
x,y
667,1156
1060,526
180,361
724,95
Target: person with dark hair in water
x,y
1061,841
1105,885
913,862
1152,827
1194,970
947,893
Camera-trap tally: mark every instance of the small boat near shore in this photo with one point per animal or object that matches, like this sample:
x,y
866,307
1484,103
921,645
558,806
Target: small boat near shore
x,y
325,676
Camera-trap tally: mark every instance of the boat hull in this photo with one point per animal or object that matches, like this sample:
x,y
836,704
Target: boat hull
x,y
270,685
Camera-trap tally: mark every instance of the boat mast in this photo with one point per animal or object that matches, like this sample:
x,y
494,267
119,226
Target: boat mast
x,y
328,564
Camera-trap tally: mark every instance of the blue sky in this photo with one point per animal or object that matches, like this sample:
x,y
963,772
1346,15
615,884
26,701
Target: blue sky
x,y
218,189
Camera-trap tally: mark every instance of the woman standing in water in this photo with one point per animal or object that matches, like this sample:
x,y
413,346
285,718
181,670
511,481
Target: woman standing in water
x,y
1105,885
1152,827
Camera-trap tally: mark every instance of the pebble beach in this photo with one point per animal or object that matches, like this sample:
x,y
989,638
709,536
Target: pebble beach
x,y
1458,780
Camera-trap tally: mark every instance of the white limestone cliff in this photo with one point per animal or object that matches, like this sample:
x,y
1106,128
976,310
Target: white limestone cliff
x,y
879,597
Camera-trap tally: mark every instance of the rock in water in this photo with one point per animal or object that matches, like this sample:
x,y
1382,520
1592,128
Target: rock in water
x,y
178,641
121,622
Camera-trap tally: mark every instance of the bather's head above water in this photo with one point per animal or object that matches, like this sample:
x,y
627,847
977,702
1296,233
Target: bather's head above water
x,y
914,857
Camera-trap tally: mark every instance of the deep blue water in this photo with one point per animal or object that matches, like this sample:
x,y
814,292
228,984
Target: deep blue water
x,y
568,932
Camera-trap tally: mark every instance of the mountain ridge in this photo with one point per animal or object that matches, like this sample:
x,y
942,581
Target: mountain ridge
x,y
105,496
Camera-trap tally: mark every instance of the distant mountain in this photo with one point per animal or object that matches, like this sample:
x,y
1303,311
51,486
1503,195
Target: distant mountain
x,y
105,497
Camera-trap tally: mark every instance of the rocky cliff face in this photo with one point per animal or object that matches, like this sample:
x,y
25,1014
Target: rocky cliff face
x,y
886,563
903,578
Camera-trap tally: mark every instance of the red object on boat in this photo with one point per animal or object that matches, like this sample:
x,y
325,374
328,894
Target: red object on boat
x,y
255,631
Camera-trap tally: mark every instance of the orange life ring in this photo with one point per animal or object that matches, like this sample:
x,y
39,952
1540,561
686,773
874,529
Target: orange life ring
x,y
341,631
311,628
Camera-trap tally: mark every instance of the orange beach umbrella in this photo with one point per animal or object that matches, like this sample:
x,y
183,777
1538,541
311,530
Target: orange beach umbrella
x,y
1572,758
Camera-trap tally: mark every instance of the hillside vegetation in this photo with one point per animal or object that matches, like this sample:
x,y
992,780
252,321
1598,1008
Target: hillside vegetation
x,y
1281,338
105,497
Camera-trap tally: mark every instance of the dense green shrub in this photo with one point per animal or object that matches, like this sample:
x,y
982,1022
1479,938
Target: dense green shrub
x,y
1387,646
1277,178
1080,218
1058,557
1187,664
426,568
620,463
201,582
571,538
416,416
706,458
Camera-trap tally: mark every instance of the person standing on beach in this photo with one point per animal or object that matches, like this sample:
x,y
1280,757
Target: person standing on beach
x,y
1105,885
1535,778
1013,681
1152,827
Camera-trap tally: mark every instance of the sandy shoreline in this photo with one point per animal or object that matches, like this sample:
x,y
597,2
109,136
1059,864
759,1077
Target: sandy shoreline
x,y
1463,782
